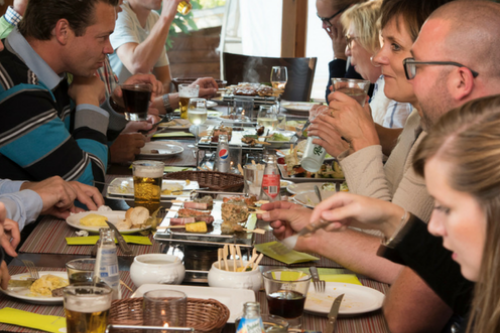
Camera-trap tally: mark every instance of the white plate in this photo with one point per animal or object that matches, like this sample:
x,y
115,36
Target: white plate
x,y
232,298
357,299
302,187
23,293
124,187
211,104
285,183
310,199
297,106
114,217
164,149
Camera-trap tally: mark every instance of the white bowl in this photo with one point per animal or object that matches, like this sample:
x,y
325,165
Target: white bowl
x,y
251,280
156,269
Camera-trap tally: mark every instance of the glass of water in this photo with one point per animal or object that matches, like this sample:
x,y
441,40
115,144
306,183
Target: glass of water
x,y
197,113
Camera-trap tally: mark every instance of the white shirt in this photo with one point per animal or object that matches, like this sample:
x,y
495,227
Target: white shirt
x,y
128,29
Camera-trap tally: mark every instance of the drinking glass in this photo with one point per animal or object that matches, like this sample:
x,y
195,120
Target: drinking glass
x,y
148,178
267,118
243,107
279,78
286,292
80,270
87,307
184,7
186,92
281,122
165,307
197,113
253,174
235,154
357,89
136,98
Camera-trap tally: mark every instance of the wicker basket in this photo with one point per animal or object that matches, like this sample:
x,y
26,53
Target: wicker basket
x,y
204,315
217,181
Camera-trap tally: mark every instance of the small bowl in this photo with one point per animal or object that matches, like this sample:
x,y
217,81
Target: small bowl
x,y
157,269
251,280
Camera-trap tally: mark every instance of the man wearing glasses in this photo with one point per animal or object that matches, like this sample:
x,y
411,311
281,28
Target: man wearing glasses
x,y
329,12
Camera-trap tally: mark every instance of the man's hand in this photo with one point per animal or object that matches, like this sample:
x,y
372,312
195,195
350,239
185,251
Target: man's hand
x,y
4,276
316,110
208,87
58,196
126,146
20,6
328,137
157,86
285,218
345,209
336,33
87,90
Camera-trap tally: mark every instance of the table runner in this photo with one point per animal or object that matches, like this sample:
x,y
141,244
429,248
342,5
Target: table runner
x,y
55,310
49,237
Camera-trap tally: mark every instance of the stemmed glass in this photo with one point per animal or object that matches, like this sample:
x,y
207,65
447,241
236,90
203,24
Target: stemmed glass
x,y
279,78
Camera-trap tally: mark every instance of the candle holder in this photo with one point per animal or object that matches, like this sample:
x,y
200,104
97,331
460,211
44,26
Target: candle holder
x,y
165,307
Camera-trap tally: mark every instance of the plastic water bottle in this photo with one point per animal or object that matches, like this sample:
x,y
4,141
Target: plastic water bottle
x,y
251,321
106,264
223,154
270,189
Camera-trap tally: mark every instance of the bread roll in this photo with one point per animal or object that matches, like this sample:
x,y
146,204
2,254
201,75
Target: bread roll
x,y
137,216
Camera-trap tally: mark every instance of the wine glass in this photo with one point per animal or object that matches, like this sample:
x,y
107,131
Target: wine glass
x,y
197,113
267,118
279,78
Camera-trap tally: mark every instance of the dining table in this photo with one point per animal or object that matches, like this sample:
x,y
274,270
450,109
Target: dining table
x,y
46,246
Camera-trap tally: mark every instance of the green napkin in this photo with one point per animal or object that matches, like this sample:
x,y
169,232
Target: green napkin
x,y
292,257
334,275
173,135
176,169
32,320
91,240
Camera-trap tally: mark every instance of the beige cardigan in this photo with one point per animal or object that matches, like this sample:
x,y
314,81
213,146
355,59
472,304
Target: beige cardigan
x,y
395,181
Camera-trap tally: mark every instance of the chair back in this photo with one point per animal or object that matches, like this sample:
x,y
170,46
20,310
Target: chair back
x,y
241,68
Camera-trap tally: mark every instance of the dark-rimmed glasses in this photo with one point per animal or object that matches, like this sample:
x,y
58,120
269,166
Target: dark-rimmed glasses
x,y
410,65
326,20
349,39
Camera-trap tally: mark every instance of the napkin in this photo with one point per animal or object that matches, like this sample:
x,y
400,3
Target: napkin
x,y
91,240
175,169
334,275
173,135
292,257
32,320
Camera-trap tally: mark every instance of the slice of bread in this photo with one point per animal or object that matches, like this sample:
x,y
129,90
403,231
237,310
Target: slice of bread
x,y
138,216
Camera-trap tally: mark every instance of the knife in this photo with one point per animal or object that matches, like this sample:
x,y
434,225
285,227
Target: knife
x,y
121,242
334,311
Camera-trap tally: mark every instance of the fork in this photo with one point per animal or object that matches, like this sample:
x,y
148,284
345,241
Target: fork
x,y
31,269
319,285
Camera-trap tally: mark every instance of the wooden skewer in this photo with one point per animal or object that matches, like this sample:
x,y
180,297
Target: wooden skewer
x,y
219,254
256,231
252,259
233,254
171,227
123,284
240,169
225,257
238,250
257,262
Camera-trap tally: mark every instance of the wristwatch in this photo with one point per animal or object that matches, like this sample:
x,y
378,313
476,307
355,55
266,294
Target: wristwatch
x,y
166,103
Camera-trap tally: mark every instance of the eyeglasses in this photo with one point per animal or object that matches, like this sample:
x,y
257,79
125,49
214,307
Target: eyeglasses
x,y
349,39
410,66
326,20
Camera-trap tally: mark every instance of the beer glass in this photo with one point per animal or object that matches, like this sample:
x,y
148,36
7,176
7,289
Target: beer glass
x,y
148,178
357,89
184,7
136,98
186,92
286,292
87,307
165,307
80,270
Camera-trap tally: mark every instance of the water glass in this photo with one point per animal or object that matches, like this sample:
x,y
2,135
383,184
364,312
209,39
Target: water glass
x,y
165,307
80,270
253,174
286,292
148,179
136,98
281,122
235,154
357,89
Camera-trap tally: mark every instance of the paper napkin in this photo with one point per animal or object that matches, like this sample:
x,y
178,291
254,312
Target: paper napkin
x,y
46,323
292,257
91,240
334,275
173,135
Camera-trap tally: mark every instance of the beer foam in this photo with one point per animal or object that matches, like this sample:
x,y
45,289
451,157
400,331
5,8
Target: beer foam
x,y
145,172
87,303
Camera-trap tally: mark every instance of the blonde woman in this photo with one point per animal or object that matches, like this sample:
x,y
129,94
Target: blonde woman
x,y
460,161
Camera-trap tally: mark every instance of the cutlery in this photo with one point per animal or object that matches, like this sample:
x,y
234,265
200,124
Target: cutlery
x,y
31,269
310,228
318,193
121,242
319,285
332,316
155,125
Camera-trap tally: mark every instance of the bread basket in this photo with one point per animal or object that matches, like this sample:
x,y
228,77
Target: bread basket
x,y
216,181
204,315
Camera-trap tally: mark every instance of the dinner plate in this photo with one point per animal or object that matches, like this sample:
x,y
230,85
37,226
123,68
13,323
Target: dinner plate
x,y
285,176
357,299
302,107
176,124
23,293
285,183
310,199
114,217
211,104
232,298
124,187
303,187
164,149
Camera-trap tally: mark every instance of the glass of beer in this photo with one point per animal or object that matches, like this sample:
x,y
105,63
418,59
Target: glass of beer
x,y
87,307
80,270
148,176
184,7
357,89
186,92
136,98
286,291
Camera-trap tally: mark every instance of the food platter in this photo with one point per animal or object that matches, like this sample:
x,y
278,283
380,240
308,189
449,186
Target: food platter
x,y
24,294
123,188
285,176
113,216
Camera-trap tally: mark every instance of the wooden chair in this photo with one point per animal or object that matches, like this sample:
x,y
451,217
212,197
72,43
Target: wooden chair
x,y
241,68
